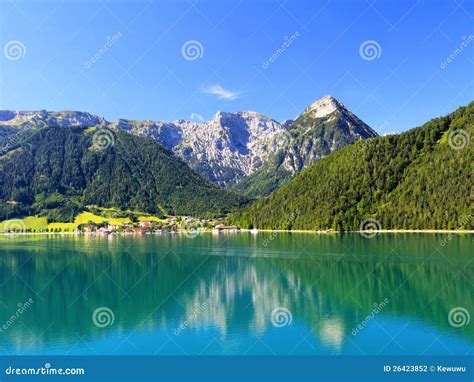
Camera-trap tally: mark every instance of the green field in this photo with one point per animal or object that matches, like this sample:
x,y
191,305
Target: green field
x,y
36,224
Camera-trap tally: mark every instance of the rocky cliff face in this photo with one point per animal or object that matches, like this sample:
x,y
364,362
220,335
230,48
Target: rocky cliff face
x,y
324,127
232,146
225,149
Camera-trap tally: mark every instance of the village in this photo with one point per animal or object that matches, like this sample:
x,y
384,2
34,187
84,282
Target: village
x,y
186,224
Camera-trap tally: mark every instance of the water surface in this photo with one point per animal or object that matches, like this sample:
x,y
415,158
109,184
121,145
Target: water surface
x,y
280,293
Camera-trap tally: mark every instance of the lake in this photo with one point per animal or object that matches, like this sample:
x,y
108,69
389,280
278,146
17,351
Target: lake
x,y
241,293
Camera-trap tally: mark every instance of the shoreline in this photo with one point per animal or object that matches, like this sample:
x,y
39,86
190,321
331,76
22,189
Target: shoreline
x,y
368,231
428,231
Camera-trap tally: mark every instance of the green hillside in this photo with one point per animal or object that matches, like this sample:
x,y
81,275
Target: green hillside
x,y
420,179
57,171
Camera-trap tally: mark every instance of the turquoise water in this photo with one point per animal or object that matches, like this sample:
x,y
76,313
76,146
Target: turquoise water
x,y
242,293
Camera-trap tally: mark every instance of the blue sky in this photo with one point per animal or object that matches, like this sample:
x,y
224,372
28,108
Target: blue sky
x,y
168,60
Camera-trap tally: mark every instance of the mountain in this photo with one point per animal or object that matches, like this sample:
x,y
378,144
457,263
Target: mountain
x,y
225,149
230,147
324,127
62,118
15,125
420,179
57,171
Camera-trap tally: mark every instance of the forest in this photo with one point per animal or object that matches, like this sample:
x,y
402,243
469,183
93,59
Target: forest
x,y
420,179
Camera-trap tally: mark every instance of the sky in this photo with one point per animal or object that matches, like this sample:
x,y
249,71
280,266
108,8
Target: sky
x,y
395,64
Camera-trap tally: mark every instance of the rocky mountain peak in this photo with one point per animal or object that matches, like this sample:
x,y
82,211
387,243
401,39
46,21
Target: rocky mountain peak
x,y
324,106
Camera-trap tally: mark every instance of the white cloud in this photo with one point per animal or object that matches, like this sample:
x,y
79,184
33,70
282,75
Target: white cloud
x,y
197,116
220,92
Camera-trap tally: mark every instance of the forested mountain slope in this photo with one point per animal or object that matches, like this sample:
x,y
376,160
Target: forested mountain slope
x,y
57,171
421,179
